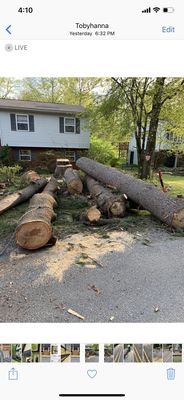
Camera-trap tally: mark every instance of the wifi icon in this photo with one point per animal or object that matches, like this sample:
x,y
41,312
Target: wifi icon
x,y
156,9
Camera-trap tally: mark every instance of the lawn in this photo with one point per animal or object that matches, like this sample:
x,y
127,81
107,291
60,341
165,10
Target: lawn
x,y
175,183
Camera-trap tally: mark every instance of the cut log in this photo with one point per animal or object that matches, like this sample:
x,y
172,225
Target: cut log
x,y
29,176
34,229
91,215
73,181
22,195
167,209
109,203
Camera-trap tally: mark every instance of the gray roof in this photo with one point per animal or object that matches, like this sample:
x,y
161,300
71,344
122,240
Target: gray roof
x,y
37,106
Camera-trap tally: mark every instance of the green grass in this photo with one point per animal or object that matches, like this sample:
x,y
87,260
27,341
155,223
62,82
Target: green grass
x,y
176,183
9,220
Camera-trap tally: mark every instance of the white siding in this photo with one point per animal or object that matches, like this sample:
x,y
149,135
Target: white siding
x,y
160,145
46,133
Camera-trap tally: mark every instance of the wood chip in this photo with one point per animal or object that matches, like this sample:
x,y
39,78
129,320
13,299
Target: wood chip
x,y
72,312
93,287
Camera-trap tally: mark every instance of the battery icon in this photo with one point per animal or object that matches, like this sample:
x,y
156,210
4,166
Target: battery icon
x,y
168,9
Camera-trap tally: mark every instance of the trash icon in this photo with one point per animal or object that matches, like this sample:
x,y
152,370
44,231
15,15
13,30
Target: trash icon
x,y
170,374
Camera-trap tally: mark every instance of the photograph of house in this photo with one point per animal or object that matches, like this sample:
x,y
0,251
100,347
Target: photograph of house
x,y
5,353
109,151
30,127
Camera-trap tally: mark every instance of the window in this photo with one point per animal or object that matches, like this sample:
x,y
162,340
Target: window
x,y
69,125
70,155
25,155
22,122
175,139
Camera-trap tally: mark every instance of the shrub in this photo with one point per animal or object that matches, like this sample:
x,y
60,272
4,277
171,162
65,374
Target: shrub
x,y
5,155
8,174
102,151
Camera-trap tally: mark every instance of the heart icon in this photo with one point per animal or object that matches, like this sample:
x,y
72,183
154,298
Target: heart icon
x,y
92,373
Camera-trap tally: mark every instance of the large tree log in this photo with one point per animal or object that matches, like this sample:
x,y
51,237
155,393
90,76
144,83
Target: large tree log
x,y
109,203
22,195
73,181
167,209
34,229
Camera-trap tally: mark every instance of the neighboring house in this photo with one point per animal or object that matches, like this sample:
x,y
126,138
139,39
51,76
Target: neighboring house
x,y
163,153
29,128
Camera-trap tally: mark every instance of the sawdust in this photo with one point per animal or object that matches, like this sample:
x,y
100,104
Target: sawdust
x,y
77,249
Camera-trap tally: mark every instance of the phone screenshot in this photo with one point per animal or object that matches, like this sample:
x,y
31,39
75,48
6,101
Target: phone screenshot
x,y
91,200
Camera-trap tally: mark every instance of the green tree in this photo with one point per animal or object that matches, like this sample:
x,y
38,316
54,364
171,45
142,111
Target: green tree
x,y
6,87
143,99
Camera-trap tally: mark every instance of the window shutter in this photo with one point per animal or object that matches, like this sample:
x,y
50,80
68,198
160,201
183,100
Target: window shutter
x,y
13,122
61,124
77,125
31,123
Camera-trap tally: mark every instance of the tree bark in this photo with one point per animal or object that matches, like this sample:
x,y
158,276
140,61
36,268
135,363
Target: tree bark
x,y
165,208
22,195
73,181
109,204
153,126
34,229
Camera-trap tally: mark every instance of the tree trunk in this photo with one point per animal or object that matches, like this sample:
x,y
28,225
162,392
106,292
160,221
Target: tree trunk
x,y
153,126
73,181
34,229
22,195
167,209
109,204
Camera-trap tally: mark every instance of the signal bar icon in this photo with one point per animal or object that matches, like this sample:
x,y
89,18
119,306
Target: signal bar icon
x,y
147,10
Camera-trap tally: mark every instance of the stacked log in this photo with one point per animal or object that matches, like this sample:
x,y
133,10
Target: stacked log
x,y
109,203
73,181
34,229
167,209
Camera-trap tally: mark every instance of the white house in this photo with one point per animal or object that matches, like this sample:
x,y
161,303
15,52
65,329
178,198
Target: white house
x,y
162,148
31,127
